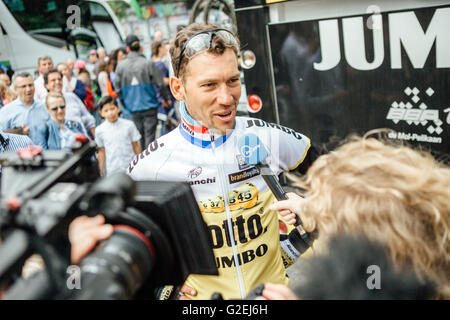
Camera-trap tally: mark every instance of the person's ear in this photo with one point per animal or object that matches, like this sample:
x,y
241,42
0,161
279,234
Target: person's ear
x,y
176,86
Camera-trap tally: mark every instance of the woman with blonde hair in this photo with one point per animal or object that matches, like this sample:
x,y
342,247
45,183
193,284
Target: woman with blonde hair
x,y
60,132
6,94
394,195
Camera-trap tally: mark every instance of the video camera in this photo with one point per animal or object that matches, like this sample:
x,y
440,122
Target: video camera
x,y
159,236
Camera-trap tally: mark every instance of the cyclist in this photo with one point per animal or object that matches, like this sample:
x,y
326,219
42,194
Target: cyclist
x,y
202,150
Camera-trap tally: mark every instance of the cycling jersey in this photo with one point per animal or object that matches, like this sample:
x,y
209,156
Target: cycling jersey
x,y
216,170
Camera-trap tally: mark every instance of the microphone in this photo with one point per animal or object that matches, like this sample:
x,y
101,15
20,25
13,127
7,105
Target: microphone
x,y
255,154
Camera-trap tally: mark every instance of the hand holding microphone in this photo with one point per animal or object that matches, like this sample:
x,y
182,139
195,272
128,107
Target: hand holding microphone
x,y
289,209
255,154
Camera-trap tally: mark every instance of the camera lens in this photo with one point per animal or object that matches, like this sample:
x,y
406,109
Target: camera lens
x,y
118,266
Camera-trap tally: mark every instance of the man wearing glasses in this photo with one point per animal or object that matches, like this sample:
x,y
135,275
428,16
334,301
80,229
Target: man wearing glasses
x,y
232,196
25,115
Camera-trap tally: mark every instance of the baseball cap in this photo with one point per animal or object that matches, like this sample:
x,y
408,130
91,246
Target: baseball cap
x,y
93,51
132,41
80,64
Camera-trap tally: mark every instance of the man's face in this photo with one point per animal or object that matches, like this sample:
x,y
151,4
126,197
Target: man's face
x,y
158,36
101,54
93,58
57,109
45,66
54,82
25,89
211,89
64,70
70,64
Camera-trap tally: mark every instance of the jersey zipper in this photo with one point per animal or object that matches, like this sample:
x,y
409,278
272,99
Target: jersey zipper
x,y
224,188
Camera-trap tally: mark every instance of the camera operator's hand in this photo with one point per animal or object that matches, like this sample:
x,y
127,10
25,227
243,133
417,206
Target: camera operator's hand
x,y
186,290
85,233
291,207
277,292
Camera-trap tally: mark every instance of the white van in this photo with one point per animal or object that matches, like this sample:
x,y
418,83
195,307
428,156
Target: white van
x,y
61,29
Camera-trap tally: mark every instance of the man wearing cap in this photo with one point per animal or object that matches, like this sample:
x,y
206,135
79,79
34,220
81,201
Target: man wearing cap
x,y
140,85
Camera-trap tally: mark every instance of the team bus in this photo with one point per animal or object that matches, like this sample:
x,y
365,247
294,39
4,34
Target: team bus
x,y
330,68
61,29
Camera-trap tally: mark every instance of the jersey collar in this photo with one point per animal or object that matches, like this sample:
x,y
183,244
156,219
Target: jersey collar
x,y
197,134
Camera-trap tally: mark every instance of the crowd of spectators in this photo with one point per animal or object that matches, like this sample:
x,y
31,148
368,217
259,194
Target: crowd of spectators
x,y
60,100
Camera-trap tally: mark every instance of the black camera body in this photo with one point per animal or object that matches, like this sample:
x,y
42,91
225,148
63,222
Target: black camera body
x,y
159,235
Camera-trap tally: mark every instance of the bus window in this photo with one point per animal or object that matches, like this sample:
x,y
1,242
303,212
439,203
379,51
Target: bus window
x,y
108,37
46,21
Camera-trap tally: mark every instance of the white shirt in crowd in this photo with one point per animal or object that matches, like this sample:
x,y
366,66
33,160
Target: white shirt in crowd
x,y
68,85
117,138
40,92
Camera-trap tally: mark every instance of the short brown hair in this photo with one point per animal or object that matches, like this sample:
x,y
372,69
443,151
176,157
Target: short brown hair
x,y
155,47
218,45
54,70
43,58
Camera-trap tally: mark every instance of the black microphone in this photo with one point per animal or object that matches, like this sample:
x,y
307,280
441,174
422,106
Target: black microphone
x,y
255,154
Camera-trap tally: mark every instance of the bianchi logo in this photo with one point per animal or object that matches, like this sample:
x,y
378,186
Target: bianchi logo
x,y
419,117
203,181
194,173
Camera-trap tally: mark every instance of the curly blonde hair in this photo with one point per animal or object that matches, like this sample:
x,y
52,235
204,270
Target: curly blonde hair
x,y
6,91
392,194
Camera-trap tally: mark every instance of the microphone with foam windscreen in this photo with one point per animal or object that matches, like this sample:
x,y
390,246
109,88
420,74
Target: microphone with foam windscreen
x,y
255,154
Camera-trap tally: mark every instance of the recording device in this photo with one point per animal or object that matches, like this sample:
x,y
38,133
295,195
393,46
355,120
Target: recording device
x,y
159,236
256,292
255,154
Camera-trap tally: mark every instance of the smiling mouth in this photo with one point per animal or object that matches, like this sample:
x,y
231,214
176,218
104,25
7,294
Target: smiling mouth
x,y
225,116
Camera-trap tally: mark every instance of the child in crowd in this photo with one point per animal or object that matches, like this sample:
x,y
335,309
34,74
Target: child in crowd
x,y
117,138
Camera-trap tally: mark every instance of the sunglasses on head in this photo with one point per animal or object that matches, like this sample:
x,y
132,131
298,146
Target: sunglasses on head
x,y
202,41
57,107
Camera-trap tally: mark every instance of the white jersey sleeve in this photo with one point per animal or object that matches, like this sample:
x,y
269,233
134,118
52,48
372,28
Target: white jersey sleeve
x,y
287,148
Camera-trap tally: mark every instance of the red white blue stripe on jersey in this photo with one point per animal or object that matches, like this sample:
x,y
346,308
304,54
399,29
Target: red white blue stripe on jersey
x,y
197,134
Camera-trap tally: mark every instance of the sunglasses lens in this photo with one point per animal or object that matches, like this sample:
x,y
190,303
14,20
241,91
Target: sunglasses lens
x,y
202,41
197,43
